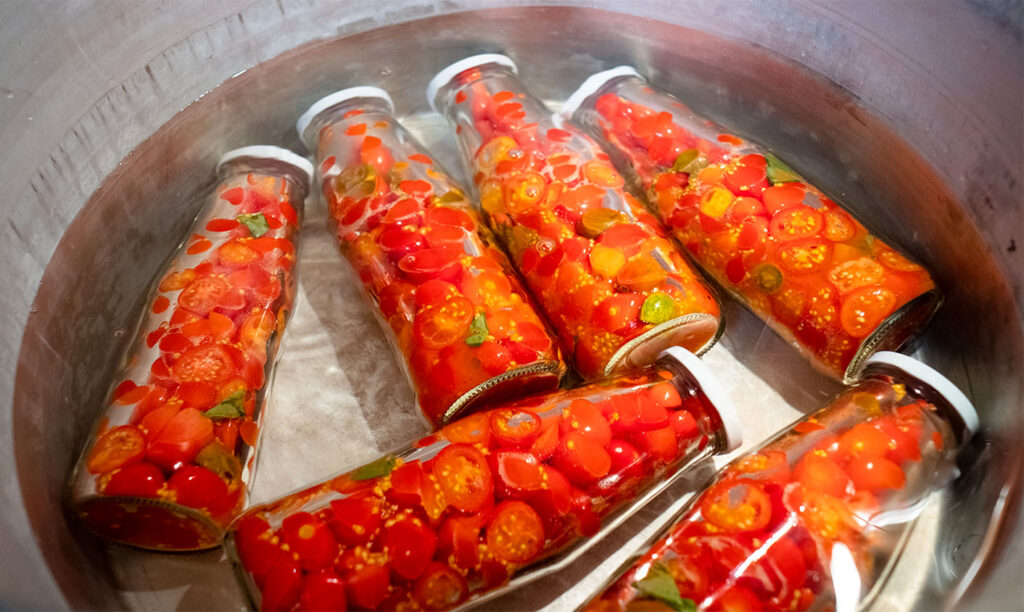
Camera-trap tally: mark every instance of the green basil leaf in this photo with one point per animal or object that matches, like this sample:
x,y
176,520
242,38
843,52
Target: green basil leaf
x,y
689,161
659,584
779,172
231,407
477,330
256,223
380,467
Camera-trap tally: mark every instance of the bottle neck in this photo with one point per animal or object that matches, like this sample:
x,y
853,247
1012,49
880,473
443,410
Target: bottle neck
x,y
920,389
297,179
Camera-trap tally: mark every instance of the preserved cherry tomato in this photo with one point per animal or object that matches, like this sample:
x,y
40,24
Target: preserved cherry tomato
x,y
410,546
440,588
515,428
116,448
515,534
737,505
464,476
442,325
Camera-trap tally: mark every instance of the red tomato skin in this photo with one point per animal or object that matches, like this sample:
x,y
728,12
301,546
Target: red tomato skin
x,y
141,479
282,585
410,548
368,587
197,487
322,592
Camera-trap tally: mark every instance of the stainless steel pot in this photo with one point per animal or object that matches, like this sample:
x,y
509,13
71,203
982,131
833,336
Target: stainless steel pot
x,y
911,111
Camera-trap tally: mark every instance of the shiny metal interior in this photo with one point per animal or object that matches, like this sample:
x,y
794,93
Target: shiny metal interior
x,y
114,114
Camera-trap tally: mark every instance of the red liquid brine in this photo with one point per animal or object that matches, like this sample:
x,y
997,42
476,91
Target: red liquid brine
x,y
168,461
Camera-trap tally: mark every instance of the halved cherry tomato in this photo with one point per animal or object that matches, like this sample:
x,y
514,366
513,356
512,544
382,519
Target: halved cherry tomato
x,y
142,479
767,465
322,591
619,313
514,428
582,459
804,256
796,223
584,417
516,473
407,482
515,534
622,413
180,438
252,540
311,539
661,443
458,540
547,441
440,588
447,215
473,429
464,476
864,440
197,487
875,473
439,262
210,363
410,546
256,330
237,252
116,448
818,472
864,309
356,519
282,585
368,585
398,241
438,326
625,457
737,505
203,294
737,599
856,273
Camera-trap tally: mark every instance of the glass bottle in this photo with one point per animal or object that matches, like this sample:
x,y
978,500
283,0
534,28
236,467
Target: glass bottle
x,y
815,517
458,316
788,252
168,460
489,502
614,286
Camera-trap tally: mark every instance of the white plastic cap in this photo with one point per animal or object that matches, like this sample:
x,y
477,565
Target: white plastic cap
x,y
270,152
326,102
712,389
447,74
591,85
933,379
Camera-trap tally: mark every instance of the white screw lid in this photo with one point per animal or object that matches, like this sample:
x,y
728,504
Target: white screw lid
x,y
712,389
451,71
270,152
326,102
591,85
936,381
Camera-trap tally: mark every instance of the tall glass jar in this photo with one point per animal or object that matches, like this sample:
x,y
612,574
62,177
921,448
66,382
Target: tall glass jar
x,y
488,503
167,463
460,320
613,285
788,252
814,518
